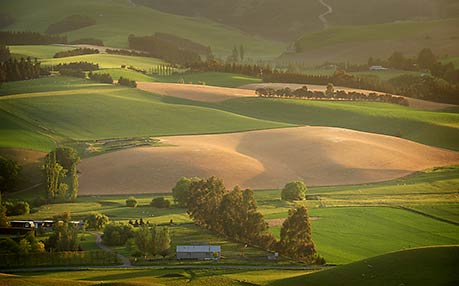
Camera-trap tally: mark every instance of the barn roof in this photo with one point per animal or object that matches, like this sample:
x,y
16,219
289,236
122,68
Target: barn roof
x,y
198,248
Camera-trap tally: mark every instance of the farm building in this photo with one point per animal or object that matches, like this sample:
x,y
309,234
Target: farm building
x,y
198,252
377,68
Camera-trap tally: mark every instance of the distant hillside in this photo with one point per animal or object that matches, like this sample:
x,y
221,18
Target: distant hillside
x,y
289,19
358,43
116,19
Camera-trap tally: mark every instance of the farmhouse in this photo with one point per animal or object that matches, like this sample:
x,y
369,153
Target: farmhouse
x,y
198,252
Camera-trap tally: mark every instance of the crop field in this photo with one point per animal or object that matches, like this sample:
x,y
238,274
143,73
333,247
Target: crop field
x,y
115,20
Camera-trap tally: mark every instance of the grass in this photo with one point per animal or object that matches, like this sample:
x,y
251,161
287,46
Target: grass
x,y
108,111
210,78
117,19
427,127
386,74
37,51
420,266
454,60
116,73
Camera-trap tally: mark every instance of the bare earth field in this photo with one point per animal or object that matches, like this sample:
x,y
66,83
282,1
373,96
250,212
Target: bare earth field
x,y
195,92
261,160
413,102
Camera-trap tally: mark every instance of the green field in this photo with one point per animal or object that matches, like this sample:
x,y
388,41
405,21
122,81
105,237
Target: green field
x,y
210,78
386,74
96,111
421,266
37,51
115,20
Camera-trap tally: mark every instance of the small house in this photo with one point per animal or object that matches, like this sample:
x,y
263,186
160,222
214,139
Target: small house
x,y
198,252
377,68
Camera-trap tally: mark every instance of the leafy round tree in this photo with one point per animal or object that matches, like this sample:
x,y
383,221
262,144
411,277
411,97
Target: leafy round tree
x,y
131,202
295,190
181,191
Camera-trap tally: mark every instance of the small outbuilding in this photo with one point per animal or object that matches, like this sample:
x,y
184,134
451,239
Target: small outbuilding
x,y
198,252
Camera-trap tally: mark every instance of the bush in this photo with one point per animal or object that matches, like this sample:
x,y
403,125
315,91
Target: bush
x,y
18,208
294,191
127,82
117,234
96,221
160,202
131,202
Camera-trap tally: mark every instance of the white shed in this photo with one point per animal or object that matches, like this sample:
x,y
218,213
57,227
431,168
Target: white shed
x,y
198,252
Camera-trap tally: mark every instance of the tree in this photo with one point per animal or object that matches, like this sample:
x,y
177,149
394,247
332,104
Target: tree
x,y
295,190
117,234
426,59
163,242
204,201
3,217
64,238
10,174
131,202
296,235
96,221
24,247
330,90
143,240
160,202
241,53
181,191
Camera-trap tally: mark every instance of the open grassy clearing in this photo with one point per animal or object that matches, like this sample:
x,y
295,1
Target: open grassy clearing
x,y
115,20
37,51
109,112
421,266
386,74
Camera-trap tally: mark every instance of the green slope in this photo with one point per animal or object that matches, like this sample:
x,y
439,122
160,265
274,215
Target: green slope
x,y
421,266
116,19
427,127
95,111
358,43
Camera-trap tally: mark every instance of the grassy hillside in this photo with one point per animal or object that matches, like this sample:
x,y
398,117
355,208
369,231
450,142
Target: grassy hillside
x,y
81,110
358,43
431,128
116,19
420,266
37,51
210,78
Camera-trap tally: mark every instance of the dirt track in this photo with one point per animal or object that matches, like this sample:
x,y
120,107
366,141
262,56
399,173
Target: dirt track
x,y
261,159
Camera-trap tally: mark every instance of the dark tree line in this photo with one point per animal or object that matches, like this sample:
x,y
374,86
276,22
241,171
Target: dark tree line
x,y
101,77
70,23
159,48
14,70
84,66
72,72
127,82
30,38
183,44
331,94
76,52
217,66
126,53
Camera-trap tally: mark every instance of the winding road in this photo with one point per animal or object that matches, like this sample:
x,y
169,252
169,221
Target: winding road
x,y
322,16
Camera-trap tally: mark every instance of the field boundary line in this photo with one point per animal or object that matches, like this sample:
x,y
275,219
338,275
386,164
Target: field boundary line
x,y
429,215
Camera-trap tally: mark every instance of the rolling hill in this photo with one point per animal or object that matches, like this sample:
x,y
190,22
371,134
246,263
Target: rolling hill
x,y
116,19
419,266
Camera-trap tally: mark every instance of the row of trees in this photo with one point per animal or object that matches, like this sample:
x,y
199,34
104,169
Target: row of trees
x,y
60,168
14,70
84,66
30,38
101,77
163,49
330,94
76,52
127,82
234,214
218,66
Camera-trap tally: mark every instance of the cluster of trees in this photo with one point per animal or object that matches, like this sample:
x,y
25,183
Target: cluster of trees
x,y
183,44
160,202
96,221
64,236
131,202
60,167
294,191
234,214
126,53
70,23
159,48
72,73
10,174
152,240
101,77
76,52
330,94
164,70
237,55
27,245
30,38
117,234
4,53
87,41
127,82
84,66
16,208
14,70
218,66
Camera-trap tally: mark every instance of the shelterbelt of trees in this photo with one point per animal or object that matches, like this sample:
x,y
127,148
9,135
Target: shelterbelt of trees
x,y
330,94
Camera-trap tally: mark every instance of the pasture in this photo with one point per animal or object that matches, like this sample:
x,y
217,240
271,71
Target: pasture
x,y
115,20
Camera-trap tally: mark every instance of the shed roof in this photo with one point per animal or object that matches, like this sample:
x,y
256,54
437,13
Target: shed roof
x,y
198,248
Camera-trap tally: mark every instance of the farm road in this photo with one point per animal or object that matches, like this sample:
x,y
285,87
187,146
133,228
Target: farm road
x,y
322,16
